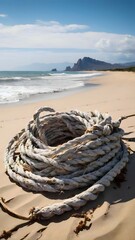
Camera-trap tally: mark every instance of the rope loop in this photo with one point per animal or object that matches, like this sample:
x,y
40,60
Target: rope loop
x,y
62,151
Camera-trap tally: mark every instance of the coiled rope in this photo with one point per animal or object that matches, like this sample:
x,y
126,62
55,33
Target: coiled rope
x,y
66,151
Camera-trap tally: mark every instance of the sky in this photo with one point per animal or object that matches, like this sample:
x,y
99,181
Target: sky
x,y
55,31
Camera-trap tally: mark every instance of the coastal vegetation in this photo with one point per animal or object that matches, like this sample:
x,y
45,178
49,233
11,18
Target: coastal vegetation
x,y
128,69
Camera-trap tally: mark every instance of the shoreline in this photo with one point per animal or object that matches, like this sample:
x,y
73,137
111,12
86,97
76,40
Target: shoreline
x,y
33,98
32,88
115,95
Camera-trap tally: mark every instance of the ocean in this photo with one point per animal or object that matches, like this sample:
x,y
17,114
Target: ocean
x,y
17,86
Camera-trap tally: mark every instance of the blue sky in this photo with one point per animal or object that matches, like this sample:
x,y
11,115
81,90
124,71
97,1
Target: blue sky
x,y
64,30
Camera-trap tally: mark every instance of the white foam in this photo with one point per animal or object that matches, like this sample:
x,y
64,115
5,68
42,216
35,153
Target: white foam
x,y
14,89
14,78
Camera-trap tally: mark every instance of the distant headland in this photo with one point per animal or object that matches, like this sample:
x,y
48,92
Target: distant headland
x,y
90,64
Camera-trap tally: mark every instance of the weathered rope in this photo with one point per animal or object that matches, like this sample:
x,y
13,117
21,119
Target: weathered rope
x,y
66,151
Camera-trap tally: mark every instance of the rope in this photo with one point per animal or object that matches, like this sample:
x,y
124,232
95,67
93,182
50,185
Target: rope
x,y
66,151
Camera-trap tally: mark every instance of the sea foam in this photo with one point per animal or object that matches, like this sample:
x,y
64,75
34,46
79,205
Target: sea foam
x,y
15,86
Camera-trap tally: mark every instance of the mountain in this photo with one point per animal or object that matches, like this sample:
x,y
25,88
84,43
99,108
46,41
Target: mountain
x,y
44,66
88,63
83,64
129,64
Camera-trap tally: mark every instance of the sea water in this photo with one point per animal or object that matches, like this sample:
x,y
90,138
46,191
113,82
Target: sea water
x,y
17,86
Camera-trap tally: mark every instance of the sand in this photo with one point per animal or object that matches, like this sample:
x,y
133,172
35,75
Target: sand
x,y
114,214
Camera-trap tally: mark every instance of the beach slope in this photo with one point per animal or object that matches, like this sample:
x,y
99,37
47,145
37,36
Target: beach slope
x,y
113,213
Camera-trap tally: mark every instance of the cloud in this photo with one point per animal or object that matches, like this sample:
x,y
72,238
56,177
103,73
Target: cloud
x,y
116,43
103,44
127,44
54,35
55,26
3,15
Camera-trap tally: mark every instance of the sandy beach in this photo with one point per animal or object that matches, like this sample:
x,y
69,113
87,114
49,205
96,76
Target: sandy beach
x,y
114,209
